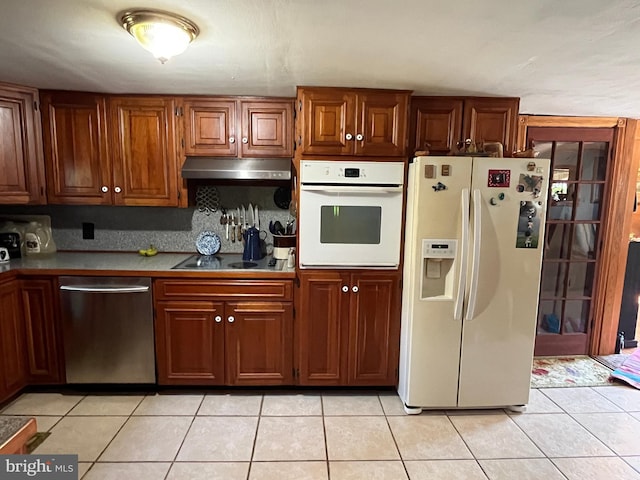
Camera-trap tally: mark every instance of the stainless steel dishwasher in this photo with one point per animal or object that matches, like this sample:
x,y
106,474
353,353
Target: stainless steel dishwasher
x,y
108,329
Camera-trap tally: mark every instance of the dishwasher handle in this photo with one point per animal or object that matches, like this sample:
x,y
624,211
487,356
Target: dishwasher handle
x,y
88,289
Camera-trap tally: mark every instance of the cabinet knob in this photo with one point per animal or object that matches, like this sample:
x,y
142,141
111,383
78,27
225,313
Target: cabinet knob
x,y
345,289
355,289
117,189
104,189
218,318
348,136
231,319
359,137
245,140
232,140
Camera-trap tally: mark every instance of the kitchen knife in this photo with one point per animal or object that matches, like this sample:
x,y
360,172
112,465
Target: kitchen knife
x,y
257,218
239,225
252,222
233,229
243,219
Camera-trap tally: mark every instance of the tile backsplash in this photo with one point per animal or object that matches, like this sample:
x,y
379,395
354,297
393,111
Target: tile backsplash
x,y
169,229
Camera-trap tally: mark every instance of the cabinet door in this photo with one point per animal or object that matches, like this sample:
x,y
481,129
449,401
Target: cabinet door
x,y
492,120
76,148
259,343
328,118
322,327
436,124
267,129
382,124
190,343
374,332
144,151
22,179
210,127
12,365
40,320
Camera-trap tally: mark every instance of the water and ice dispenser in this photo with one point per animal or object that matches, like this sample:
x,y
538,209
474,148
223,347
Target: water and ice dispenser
x,y
438,268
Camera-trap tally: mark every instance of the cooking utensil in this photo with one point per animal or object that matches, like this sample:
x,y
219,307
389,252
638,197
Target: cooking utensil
x,y
252,221
233,229
278,229
243,219
256,218
282,197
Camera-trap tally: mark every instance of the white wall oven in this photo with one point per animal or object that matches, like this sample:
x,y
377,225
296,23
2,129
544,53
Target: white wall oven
x,y
350,214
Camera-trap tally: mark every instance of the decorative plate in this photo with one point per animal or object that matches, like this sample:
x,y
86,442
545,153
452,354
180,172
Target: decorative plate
x,y
208,243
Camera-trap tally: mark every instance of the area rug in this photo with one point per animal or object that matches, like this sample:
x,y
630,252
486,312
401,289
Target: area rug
x,y
568,371
612,361
629,371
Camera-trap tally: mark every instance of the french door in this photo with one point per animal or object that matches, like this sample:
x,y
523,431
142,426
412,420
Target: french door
x,y
577,190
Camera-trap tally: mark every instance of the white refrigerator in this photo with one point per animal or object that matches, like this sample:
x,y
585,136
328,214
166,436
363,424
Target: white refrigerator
x,y
473,252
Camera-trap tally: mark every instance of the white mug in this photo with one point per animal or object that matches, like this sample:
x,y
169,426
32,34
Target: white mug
x,y
4,255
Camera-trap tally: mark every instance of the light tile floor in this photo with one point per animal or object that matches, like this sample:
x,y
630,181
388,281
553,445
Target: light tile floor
x,y
566,433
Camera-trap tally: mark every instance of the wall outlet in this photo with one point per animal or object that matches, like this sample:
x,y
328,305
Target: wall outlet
x,y
88,232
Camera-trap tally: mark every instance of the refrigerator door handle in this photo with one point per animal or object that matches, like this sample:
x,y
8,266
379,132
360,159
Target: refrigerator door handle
x,y
464,247
475,266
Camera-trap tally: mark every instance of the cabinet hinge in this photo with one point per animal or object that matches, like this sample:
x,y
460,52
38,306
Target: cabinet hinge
x,y
299,140
294,312
295,113
35,106
300,105
179,112
297,281
179,194
294,372
182,142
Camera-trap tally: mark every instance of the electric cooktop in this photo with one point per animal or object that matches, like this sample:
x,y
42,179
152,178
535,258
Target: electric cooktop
x,y
226,262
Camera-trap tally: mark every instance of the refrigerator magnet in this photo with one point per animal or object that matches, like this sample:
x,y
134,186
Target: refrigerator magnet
x,y
499,178
528,226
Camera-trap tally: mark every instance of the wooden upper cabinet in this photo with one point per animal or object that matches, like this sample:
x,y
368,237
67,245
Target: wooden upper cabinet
x,y
76,148
439,123
21,164
382,124
144,150
492,120
210,127
436,124
336,121
328,121
267,129
228,127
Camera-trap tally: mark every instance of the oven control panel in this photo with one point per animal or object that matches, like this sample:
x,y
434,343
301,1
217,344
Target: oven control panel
x,y
322,172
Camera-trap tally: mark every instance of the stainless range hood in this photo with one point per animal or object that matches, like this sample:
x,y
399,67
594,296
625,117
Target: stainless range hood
x,y
237,168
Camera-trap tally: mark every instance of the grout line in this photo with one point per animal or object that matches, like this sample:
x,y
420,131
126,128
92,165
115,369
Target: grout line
x,y
193,419
324,433
255,436
393,437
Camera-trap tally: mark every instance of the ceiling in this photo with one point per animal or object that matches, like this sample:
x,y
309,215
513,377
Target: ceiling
x,y
570,57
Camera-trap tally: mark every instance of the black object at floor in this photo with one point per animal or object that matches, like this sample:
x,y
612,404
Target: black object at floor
x,y
630,293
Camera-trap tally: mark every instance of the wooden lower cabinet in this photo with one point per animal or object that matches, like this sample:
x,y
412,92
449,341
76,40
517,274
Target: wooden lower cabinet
x,y
13,373
190,343
232,339
40,307
348,328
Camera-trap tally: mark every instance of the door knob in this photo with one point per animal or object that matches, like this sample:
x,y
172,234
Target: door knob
x,y
359,137
232,140
218,318
104,189
245,140
345,289
231,319
117,189
355,289
348,136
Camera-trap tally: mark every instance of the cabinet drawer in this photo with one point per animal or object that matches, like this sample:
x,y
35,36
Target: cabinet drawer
x,y
223,289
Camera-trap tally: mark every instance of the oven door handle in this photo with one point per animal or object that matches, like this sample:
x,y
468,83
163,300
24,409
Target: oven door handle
x,y
353,189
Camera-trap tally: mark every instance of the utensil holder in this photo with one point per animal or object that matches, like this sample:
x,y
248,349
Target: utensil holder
x,y
282,244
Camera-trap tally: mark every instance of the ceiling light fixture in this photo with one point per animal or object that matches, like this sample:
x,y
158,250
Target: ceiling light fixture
x,y
164,34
